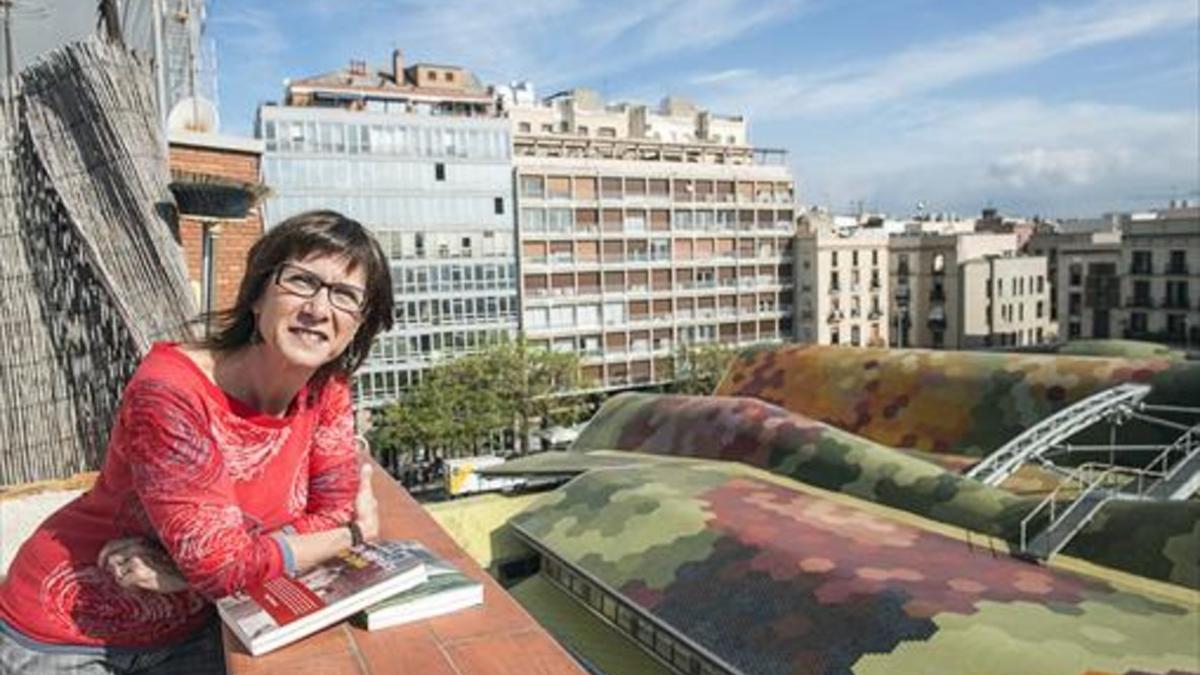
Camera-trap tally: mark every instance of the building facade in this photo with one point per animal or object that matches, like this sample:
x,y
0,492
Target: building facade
x,y
1083,268
1005,302
419,155
1160,288
215,248
932,288
843,287
631,245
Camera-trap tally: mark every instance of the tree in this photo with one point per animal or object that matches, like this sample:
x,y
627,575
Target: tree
x,y
698,368
461,406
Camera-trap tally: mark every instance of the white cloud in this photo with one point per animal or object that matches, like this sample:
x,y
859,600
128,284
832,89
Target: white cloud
x,y
562,42
1024,153
928,67
1055,167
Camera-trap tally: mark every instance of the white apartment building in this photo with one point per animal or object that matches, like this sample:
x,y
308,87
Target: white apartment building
x,y
930,292
1005,302
418,155
842,287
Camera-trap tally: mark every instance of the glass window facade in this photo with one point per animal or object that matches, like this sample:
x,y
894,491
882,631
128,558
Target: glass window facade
x,y
434,191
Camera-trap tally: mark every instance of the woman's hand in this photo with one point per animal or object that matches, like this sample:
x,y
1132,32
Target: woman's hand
x,y
366,509
136,563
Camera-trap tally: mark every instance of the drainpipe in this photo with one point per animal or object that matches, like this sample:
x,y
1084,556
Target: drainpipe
x,y
209,231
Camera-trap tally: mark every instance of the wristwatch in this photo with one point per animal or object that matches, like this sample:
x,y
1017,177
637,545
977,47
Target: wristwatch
x,y
356,535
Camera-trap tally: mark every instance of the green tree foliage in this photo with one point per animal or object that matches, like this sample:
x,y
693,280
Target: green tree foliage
x,y
699,367
462,407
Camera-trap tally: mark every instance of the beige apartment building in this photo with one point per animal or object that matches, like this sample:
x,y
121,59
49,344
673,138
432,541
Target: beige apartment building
x,y
1005,302
932,286
1160,288
842,287
1083,268
635,237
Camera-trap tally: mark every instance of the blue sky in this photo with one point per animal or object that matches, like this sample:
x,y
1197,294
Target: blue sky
x,y
1067,108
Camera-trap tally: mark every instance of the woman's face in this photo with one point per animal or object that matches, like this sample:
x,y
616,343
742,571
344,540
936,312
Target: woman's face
x,y
311,309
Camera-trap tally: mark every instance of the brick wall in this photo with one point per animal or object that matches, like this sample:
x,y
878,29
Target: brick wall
x,y
233,237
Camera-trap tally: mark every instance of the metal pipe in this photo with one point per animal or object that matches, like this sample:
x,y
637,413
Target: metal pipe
x,y
160,67
1170,408
1158,420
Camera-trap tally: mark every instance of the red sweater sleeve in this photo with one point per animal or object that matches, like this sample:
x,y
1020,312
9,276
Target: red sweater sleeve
x,y
179,476
333,463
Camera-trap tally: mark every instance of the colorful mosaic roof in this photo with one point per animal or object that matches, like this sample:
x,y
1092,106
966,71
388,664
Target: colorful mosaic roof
x,y
775,577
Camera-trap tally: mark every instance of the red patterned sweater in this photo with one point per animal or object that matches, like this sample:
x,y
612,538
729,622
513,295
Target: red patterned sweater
x,y
205,475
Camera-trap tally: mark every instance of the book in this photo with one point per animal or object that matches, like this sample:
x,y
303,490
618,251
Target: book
x,y
285,609
445,590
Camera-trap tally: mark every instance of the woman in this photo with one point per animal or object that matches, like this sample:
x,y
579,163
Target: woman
x,y
231,461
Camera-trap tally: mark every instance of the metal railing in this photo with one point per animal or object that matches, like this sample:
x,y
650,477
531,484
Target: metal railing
x,y
1063,424
1094,484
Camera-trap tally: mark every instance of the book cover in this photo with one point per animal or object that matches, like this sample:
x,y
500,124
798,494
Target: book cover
x,y
285,609
446,589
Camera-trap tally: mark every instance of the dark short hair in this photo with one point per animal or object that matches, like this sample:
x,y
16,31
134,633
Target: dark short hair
x,y
298,237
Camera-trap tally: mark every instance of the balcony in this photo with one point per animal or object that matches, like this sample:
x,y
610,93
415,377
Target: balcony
x,y
1141,269
1176,269
1139,301
1178,302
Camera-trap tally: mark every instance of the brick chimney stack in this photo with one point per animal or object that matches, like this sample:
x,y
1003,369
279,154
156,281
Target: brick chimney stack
x,y
398,66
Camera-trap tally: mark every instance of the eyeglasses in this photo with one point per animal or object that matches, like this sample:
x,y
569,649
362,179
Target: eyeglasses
x,y
299,281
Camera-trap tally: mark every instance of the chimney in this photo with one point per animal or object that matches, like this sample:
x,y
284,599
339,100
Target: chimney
x,y
358,67
398,66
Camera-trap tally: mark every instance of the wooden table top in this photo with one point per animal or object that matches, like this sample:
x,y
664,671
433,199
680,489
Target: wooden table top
x,y
497,637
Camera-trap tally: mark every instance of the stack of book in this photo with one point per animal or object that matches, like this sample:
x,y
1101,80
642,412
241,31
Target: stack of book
x,y
445,590
394,581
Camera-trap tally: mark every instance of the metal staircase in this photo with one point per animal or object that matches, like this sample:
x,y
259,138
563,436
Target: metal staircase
x,y
1180,466
1048,433
1173,475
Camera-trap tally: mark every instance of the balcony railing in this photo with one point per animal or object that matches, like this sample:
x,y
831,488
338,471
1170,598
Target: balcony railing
x,y
1177,269
1176,303
1139,301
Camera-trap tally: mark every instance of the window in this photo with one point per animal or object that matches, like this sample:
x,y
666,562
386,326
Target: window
x,y
524,127
449,77
498,206
1177,264
533,186
1139,322
439,171
1142,262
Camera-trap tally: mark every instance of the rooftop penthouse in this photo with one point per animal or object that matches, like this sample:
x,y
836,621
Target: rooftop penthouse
x,y
420,88
578,123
